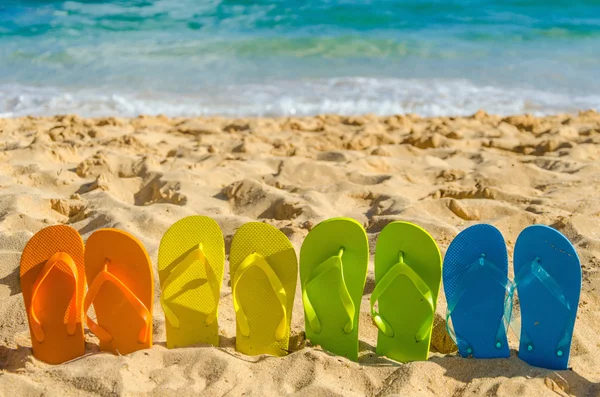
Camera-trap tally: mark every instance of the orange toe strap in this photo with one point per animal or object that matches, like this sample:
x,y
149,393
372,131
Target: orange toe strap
x,y
141,309
36,326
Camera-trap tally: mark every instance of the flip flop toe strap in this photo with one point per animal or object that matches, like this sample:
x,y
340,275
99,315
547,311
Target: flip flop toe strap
x,y
534,271
258,261
334,263
73,309
470,278
194,256
402,269
139,307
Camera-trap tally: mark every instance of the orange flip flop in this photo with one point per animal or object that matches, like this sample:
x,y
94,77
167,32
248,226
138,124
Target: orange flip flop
x,y
121,287
53,284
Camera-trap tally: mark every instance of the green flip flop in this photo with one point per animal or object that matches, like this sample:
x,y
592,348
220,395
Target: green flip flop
x,y
333,270
408,271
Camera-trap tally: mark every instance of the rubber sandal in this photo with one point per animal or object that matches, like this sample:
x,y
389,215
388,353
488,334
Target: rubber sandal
x,y
121,288
478,292
264,272
53,283
408,272
333,271
548,279
191,261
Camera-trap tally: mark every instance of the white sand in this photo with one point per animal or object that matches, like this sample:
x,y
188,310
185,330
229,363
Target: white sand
x,y
142,175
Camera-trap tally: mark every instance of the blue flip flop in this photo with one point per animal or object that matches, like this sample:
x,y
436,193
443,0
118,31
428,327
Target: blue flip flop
x,y
548,280
478,292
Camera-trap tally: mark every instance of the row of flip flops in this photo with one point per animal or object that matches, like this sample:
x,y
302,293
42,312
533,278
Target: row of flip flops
x,y
333,267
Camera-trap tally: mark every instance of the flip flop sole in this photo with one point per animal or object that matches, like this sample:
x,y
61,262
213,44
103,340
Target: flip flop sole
x,y
260,303
323,242
477,317
545,321
54,295
194,297
129,262
401,304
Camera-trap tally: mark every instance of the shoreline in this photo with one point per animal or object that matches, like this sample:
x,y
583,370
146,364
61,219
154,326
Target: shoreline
x,y
290,97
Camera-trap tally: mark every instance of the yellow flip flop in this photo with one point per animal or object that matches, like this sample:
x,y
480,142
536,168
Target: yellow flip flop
x,y
53,283
264,271
191,261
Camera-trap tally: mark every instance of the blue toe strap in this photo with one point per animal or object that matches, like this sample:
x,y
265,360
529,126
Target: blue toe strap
x,y
532,272
470,278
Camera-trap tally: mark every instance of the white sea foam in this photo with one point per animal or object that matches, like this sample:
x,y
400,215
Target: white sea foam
x,y
307,97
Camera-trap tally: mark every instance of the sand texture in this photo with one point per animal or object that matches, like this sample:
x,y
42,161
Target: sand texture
x,y
444,174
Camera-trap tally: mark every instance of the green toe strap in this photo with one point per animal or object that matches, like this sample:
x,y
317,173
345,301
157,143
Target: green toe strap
x,y
402,269
334,263
197,254
256,260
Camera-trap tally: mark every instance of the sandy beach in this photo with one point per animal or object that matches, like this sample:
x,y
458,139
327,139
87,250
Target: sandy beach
x,y
443,173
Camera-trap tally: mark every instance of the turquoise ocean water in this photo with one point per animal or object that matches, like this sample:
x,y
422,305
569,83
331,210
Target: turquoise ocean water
x,y
286,57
